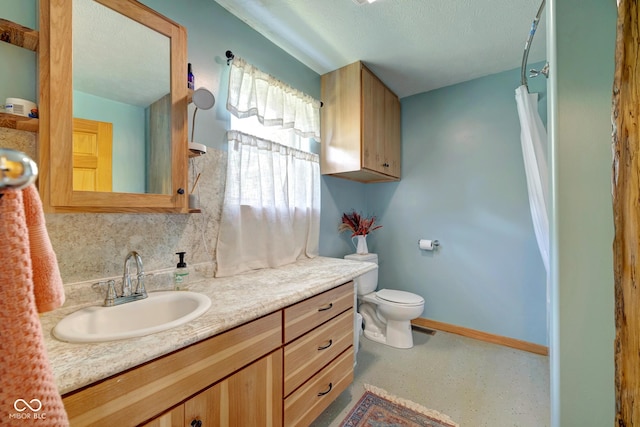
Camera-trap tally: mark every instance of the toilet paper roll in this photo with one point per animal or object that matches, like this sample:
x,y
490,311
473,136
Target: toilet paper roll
x,y
426,245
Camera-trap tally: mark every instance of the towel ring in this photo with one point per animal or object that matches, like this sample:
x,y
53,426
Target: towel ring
x,y
17,170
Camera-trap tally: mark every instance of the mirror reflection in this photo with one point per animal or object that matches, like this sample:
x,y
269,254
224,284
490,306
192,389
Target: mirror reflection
x,y
121,103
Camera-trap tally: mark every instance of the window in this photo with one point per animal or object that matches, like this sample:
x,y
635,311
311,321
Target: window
x,y
271,211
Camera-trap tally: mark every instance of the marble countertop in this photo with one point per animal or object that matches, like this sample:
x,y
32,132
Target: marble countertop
x,y
234,301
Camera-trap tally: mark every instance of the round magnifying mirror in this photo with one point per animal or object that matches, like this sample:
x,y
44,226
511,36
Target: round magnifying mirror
x,y
203,99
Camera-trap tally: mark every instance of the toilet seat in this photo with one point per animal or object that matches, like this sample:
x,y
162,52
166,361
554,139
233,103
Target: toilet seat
x,y
401,298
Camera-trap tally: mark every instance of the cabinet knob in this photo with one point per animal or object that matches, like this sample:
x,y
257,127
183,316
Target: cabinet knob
x,y
386,165
196,423
180,190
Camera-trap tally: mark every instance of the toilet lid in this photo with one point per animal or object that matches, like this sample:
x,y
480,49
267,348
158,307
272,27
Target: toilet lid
x,y
400,297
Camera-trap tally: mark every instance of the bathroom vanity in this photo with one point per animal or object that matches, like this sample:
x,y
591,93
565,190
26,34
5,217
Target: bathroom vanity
x,y
276,348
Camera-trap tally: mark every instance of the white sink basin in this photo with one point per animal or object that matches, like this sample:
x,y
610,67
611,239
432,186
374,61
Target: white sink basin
x,y
158,312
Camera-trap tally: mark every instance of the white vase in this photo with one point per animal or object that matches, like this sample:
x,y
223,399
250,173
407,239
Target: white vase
x,y
360,244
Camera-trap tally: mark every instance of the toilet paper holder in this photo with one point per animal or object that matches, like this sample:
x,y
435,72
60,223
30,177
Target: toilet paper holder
x,y
428,245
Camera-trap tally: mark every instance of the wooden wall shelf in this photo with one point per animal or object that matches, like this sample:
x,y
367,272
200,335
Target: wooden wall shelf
x,y
27,38
13,121
18,35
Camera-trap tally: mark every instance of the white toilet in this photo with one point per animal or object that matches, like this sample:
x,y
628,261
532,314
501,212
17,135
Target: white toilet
x,y
387,313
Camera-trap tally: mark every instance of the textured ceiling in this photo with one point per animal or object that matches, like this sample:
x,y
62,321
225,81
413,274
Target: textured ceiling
x,y
413,45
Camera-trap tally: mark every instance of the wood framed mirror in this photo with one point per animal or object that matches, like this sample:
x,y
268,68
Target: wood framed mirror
x,y
58,190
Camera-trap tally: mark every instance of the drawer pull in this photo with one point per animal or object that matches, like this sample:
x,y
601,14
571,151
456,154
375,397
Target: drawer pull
x,y
327,307
324,347
322,393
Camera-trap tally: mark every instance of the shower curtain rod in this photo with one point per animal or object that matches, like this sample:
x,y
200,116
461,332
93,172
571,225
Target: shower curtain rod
x,y
527,46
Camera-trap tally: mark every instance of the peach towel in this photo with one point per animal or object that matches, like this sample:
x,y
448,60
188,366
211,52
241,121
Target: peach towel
x,y
29,282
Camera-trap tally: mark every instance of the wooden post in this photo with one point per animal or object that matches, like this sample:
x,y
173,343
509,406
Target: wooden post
x,y
626,211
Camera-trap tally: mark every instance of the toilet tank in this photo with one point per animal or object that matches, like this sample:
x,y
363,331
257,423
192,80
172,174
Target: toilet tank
x,y
367,282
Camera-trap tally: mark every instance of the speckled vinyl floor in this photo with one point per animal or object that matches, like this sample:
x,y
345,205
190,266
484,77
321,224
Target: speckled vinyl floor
x,y
475,383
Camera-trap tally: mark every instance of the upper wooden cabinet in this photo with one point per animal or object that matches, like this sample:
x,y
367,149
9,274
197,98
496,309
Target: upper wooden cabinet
x,y
360,126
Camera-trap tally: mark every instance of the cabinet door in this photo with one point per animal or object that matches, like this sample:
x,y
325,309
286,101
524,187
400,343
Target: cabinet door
x,y
250,397
92,154
373,122
172,418
392,134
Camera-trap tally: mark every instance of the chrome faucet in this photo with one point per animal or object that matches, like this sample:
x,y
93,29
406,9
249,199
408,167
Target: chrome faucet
x,y
127,295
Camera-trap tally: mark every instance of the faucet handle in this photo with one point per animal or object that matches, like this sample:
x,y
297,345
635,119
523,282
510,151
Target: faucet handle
x,y
111,293
140,289
126,285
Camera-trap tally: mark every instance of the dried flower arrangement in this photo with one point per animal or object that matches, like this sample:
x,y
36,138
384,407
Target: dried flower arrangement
x,y
357,224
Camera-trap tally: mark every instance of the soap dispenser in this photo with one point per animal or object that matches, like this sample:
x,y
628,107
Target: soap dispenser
x,y
181,275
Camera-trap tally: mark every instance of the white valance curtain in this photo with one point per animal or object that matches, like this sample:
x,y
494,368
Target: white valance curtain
x,y
271,211
533,137
253,92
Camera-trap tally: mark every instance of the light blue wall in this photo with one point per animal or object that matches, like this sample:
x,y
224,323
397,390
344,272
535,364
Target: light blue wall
x,y
339,196
129,158
463,183
18,72
581,47
211,32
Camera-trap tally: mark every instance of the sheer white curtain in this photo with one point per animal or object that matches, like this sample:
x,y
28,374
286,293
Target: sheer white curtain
x,y
533,137
271,211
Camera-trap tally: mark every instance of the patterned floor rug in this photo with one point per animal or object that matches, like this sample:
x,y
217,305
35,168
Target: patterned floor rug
x,y
376,407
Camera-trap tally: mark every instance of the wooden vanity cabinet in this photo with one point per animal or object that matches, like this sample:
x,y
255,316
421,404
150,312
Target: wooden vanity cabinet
x,y
283,369
172,418
144,392
360,121
250,397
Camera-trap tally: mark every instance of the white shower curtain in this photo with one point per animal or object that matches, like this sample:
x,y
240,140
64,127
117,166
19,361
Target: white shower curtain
x,y
533,137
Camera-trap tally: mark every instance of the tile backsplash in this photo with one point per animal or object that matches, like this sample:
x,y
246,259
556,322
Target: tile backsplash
x,y
93,246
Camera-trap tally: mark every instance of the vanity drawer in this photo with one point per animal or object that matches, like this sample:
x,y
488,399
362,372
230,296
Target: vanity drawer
x,y
306,403
310,313
309,353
